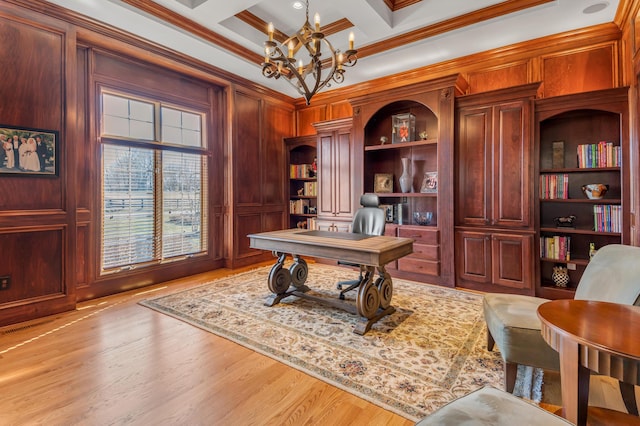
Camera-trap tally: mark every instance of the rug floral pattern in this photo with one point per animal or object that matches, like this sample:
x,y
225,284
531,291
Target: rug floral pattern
x,y
430,351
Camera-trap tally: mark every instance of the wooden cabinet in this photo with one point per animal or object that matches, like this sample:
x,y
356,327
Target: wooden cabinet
x,y
494,153
338,190
596,126
427,150
302,184
495,258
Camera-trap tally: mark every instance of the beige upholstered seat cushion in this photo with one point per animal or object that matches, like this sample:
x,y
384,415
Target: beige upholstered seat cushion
x,y
514,324
491,407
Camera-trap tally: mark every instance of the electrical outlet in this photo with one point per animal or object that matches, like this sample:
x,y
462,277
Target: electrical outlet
x,y
5,281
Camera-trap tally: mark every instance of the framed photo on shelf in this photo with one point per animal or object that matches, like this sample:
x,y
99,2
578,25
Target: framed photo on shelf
x,y
383,182
27,151
388,212
429,183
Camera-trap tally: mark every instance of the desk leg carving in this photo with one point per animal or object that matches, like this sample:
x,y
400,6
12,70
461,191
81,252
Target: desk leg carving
x,y
299,272
280,279
368,299
374,300
385,288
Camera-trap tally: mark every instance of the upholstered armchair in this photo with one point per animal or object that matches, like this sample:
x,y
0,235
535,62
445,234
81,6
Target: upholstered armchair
x,y
613,275
369,220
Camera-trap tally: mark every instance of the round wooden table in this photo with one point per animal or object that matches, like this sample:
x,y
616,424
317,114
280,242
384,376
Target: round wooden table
x,y
591,336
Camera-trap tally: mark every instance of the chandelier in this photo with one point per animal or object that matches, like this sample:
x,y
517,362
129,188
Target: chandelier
x,y
285,59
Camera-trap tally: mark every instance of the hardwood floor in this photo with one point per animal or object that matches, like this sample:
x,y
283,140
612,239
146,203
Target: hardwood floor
x,y
112,361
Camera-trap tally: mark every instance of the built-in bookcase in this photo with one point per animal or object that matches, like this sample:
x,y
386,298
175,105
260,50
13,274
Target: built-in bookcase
x,y
302,182
582,140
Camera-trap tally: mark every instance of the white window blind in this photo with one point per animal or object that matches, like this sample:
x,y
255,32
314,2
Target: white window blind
x,y
182,200
128,206
154,199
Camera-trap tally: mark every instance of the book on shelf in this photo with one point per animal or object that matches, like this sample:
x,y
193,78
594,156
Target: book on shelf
x,y
557,247
298,206
310,189
602,154
554,186
301,171
607,218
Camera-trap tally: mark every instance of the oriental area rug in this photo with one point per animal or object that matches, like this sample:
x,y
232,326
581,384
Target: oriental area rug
x,y
429,352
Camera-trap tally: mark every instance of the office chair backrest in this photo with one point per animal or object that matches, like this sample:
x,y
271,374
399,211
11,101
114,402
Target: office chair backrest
x,y
613,275
370,219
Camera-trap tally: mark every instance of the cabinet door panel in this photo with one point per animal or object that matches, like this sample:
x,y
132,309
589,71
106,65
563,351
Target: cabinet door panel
x,y
512,260
511,165
325,176
474,157
473,256
343,172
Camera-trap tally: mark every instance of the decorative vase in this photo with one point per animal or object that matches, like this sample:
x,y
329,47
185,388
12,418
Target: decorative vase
x,y
560,276
406,180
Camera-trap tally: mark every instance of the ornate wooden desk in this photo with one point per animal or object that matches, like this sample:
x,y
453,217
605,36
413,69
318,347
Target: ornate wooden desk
x,y
373,300
591,336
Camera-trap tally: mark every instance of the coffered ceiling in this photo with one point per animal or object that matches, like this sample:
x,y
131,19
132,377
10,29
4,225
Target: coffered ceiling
x,y
391,36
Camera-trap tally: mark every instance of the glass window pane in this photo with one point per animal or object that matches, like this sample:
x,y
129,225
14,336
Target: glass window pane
x,y
171,117
141,111
116,126
191,138
141,130
171,135
115,105
191,121
181,128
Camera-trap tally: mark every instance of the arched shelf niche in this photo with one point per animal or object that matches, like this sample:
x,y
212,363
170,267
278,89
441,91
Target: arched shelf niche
x,y
380,124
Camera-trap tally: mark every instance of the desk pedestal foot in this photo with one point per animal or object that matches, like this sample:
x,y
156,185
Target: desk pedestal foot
x,y
365,324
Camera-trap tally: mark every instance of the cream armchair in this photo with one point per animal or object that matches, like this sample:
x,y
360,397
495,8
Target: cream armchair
x,y
613,275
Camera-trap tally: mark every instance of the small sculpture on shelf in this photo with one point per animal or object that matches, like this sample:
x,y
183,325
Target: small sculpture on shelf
x,y
423,135
301,192
383,140
565,221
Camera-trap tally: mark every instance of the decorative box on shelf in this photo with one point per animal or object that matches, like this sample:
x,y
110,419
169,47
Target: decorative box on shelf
x,y
404,128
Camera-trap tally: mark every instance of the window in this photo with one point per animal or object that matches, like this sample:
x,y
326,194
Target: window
x,y
154,189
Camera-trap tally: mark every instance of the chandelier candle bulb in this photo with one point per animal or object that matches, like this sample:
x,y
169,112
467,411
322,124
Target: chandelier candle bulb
x,y
316,19
351,40
270,31
300,67
291,49
340,59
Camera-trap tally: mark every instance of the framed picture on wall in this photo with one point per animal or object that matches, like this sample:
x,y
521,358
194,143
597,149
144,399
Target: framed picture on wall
x,y
27,151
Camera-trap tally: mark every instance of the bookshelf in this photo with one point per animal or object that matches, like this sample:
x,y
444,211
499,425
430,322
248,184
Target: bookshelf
x,y
302,181
582,139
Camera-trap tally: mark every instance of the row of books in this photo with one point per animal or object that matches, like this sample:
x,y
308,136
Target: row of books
x,y
602,154
556,247
301,171
607,218
554,187
299,206
310,223
310,189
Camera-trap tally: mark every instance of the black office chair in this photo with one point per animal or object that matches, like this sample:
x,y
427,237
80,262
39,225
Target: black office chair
x,y
368,220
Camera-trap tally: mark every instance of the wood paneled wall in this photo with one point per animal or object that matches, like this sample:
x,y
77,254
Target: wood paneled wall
x,y
573,62
50,226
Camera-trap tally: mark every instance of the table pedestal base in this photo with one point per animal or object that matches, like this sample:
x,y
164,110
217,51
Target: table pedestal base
x,y
373,300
